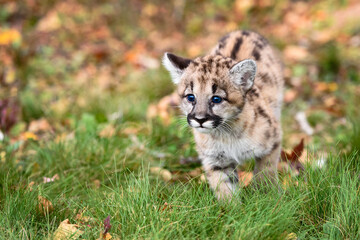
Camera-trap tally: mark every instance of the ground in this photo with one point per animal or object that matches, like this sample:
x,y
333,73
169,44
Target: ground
x,y
84,137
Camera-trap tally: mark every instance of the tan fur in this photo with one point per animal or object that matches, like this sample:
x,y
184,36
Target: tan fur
x,y
249,119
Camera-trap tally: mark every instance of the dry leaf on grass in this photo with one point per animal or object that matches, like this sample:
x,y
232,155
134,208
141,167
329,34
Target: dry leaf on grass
x,y
108,131
67,231
294,157
9,36
31,185
295,53
163,173
29,135
245,178
41,125
166,206
164,108
45,206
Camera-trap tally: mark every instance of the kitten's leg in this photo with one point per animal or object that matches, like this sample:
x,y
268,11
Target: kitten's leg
x,y
223,180
266,167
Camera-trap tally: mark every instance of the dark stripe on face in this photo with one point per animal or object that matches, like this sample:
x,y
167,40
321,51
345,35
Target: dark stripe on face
x,y
256,54
245,33
236,48
224,39
253,93
192,86
195,64
275,146
214,87
265,78
267,135
259,45
251,128
229,167
233,178
264,114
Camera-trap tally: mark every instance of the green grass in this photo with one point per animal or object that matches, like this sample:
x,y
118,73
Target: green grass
x,y
60,79
324,204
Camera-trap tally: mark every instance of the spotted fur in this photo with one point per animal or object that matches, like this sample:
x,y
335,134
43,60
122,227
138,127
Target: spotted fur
x,y
244,70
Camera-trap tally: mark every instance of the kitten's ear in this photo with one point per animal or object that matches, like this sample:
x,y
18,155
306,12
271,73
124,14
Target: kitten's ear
x,y
175,65
243,74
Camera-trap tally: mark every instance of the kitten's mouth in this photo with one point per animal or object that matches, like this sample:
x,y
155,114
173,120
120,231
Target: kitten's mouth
x,y
203,129
204,125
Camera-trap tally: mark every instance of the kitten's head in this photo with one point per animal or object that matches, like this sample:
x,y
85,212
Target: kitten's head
x,y
212,88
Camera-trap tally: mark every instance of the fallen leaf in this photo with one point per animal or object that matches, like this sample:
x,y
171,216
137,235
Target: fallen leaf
x,y
290,96
85,220
97,183
67,231
164,108
45,206
195,172
130,130
148,62
245,178
163,173
49,22
9,36
106,236
41,125
108,131
294,157
30,185
29,135
166,206
291,236
202,178
242,6
295,53
3,157
9,111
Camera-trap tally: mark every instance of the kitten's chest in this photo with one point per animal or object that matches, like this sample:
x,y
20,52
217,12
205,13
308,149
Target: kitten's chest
x,y
232,149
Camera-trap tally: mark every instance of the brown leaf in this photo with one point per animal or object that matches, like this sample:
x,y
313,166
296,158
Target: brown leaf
x,y
108,131
49,22
67,231
290,95
294,156
9,110
106,236
195,172
41,125
30,185
166,206
97,183
163,173
245,178
9,36
164,108
45,206
295,53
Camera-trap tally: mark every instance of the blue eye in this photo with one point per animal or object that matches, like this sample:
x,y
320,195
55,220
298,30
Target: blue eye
x,y
190,98
216,99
